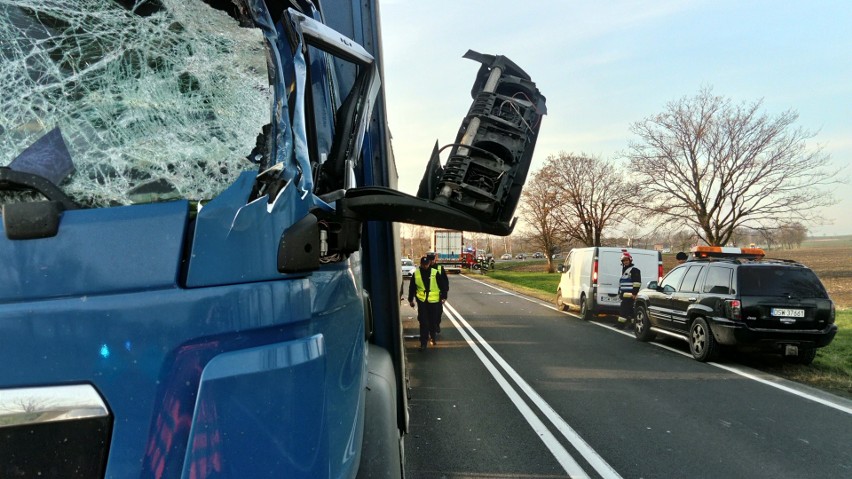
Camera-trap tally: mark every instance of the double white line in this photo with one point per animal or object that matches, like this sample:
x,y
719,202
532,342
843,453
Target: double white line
x,y
477,344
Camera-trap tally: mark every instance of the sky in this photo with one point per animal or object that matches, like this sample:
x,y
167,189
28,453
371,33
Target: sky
x,y
603,65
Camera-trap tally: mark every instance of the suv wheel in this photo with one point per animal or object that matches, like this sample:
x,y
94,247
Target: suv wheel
x,y
702,344
806,356
642,328
585,312
560,304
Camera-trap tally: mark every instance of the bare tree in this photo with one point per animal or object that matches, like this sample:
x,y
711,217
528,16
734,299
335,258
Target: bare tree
x,y
769,236
713,167
538,208
792,235
593,195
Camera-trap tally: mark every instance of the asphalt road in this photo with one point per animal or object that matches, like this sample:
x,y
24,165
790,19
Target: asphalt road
x,y
515,388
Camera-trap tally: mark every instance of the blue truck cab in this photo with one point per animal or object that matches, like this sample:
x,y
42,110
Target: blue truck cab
x,y
199,236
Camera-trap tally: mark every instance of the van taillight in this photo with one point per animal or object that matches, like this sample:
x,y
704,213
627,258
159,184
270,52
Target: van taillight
x,y
660,273
734,309
595,272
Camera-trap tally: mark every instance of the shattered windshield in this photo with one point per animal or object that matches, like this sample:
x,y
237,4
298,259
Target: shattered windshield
x,y
155,100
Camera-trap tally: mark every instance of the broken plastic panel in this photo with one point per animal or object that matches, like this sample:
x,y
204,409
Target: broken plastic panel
x,y
489,161
480,186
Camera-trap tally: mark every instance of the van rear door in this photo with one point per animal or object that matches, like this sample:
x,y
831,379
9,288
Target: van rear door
x,y
649,263
609,273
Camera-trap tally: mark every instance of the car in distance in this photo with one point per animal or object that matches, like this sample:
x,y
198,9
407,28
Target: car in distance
x,y
520,256
538,254
407,267
506,256
735,297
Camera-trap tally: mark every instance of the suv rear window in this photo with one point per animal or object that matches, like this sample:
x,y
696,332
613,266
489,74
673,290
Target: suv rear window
x,y
780,281
718,281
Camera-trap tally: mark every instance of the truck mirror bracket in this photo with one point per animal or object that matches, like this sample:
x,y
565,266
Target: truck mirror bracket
x,y
299,247
385,204
320,237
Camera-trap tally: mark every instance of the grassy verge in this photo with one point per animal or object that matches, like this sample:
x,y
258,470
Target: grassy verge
x,y
831,370
541,282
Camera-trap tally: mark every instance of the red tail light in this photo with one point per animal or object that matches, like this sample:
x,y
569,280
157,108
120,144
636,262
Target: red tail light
x,y
660,273
595,272
733,309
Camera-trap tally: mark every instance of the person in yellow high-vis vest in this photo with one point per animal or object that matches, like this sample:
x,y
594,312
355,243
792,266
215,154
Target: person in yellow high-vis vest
x,y
428,294
443,283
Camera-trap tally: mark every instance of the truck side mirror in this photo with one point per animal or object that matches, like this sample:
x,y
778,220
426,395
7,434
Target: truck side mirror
x,y
480,185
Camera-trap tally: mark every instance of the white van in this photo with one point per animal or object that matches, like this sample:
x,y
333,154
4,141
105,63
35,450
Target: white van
x,y
589,281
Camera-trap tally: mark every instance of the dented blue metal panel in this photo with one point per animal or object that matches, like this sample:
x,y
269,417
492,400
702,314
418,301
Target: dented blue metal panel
x,y
97,251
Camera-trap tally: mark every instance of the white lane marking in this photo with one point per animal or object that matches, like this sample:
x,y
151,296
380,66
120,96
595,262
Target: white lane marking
x,y
769,382
571,467
824,402
595,460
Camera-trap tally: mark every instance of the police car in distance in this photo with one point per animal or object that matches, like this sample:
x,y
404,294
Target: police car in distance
x,y
737,297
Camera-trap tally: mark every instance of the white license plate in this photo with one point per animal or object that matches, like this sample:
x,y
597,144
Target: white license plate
x,y
609,299
788,313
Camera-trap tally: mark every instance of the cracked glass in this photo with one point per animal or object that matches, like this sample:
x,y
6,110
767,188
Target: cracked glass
x,y
155,100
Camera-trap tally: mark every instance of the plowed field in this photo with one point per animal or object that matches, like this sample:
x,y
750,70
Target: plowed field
x,y
833,265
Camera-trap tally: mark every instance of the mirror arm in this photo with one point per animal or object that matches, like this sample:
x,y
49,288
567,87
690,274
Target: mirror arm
x,y
376,203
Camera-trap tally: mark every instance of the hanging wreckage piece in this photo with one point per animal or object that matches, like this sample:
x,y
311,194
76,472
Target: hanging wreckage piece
x,y
480,186
489,161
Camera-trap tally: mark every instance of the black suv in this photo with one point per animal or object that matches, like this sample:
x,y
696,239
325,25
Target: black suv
x,y
775,305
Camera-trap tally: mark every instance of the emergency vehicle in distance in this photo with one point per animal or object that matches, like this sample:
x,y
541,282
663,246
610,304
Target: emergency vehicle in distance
x,y
451,252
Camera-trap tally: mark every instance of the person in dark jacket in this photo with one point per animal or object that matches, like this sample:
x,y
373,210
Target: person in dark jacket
x,y
628,286
425,287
